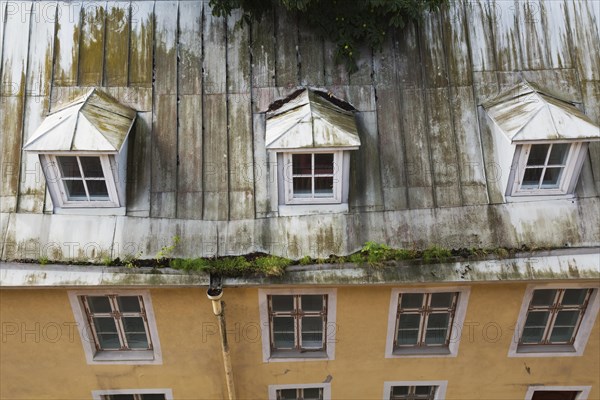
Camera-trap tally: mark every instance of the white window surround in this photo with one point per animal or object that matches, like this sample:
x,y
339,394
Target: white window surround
x,y
330,335
566,182
55,179
455,335
325,386
585,390
440,393
585,327
93,356
97,394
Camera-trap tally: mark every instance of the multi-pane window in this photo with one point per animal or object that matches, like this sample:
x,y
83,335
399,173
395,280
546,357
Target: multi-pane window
x,y
413,392
554,316
300,394
134,396
83,178
545,166
118,322
311,178
424,319
297,323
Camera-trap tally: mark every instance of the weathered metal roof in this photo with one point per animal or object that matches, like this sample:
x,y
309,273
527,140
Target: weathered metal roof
x,y
309,120
93,122
528,113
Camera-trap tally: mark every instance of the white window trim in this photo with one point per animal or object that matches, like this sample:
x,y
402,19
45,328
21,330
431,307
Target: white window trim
x,y
459,319
585,390
567,180
440,393
53,178
338,168
585,328
153,356
97,394
325,386
330,335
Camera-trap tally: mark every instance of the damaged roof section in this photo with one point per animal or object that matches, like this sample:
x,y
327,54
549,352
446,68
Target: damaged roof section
x,y
95,122
310,119
528,113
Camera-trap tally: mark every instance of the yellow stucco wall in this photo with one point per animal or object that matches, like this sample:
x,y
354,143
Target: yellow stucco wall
x,y
48,368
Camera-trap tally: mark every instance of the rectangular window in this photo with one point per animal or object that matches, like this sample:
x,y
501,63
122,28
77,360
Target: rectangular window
x,y
312,178
412,392
424,319
297,322
554,316
555,395
300,394
117,327
118,322
82,180
133,394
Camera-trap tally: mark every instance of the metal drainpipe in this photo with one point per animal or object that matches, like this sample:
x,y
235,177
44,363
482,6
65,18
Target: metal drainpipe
x,y
214,294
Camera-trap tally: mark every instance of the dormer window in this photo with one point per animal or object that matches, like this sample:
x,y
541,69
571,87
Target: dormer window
x,y
540,141
312,134
83,152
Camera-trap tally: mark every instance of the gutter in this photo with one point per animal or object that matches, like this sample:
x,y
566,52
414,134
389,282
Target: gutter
x,y
214,294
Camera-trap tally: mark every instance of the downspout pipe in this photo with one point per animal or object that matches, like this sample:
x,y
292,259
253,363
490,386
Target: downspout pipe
x,y
214,294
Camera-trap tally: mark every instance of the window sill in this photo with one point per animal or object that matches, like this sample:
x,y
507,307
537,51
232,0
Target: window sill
x,y
125,357
90,211
311,209
545,348
283,356
538,197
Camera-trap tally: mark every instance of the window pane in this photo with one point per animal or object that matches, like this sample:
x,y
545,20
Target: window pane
x,y
535,326
106,330
286,394
129,304
133,325
532,177
92,168
283,332
312,332
323,163
324,187
75,190
312,302
552,177
564,326
441,300
437,327
537,154
408,329
423,390
543,297
99,304
301,164
153,396
312,394
558,155
302,187
282,303
137,341
97,190
120,397
69,167
574,296
411,300
399,390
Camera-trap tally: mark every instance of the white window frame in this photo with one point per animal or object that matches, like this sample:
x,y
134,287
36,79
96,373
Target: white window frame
x,y
432,351
54,179
97,394
567,181
94,356
330,326
288,175
585,390
585,327
440,393
325,386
